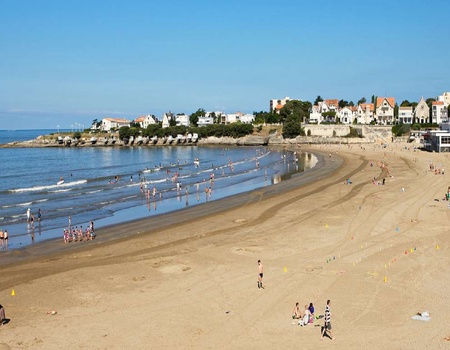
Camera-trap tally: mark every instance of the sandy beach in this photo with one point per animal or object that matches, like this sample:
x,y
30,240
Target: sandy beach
x,y
378,252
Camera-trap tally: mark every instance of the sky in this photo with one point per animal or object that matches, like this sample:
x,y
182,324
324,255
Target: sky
x,y
70,62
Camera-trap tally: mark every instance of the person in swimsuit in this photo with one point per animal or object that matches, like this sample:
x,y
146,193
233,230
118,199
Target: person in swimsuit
x,y
260,274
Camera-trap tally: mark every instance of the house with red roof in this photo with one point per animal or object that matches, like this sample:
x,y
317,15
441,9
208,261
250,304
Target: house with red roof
x,y
114,123
385,110
365,113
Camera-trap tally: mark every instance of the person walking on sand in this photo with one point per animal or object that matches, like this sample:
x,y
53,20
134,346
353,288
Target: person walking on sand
x,y
327,319
260,274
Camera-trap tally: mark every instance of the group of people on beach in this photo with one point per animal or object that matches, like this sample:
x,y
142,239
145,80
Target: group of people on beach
x,y
76,234
4,236
308,315
31,218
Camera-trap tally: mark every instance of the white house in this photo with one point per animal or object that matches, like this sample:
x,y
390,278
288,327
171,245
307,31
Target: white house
x,y
182,119
438,112
385,110
114,123
364,113
207,119
166,118
146,120
347,114
315,116
422,112
405,115
247,118
236,117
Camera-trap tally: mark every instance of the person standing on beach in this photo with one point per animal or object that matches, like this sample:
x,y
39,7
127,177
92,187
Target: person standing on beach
x,y
260,274
5,238
1,238
28,214
70,222
39,215
327,319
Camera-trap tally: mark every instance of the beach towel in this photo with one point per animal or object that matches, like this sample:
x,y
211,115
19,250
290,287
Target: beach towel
x,y
424,316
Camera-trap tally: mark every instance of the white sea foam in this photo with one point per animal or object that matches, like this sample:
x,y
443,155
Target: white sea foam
x,y
43,188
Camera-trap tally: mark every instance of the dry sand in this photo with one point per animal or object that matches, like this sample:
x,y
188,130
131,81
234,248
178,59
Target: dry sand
x,y
193,285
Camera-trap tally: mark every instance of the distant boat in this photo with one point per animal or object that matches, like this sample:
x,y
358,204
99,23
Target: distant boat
x,y
189,138
93,140
194,137
60,140
169,139
196,162
154,139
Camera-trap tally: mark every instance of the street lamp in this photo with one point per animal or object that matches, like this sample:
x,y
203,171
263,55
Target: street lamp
x,y
58,128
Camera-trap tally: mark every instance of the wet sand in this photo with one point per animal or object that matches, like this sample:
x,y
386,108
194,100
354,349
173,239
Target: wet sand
x,y
188,279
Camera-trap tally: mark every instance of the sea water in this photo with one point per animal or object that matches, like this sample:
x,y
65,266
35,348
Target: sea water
x,y
109,185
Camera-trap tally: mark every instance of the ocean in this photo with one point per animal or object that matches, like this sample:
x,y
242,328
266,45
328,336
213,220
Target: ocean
x,y
112,184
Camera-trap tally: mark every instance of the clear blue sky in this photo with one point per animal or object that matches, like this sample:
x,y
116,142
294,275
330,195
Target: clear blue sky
x,y
65,62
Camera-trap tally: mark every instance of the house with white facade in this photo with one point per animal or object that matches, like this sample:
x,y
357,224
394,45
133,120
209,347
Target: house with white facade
x,y
439,112
347,114
385,110
207,119
330,105
365,113
422,112
166,118
315,116
237,117
405,115
114,123
182,119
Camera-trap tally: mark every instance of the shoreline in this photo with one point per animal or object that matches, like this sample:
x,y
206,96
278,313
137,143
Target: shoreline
x,y
379,252
112,233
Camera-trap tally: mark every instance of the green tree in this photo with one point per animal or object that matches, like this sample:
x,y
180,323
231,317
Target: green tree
x,y
405,103
193,118
342,103
317,100
292,128
362,100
